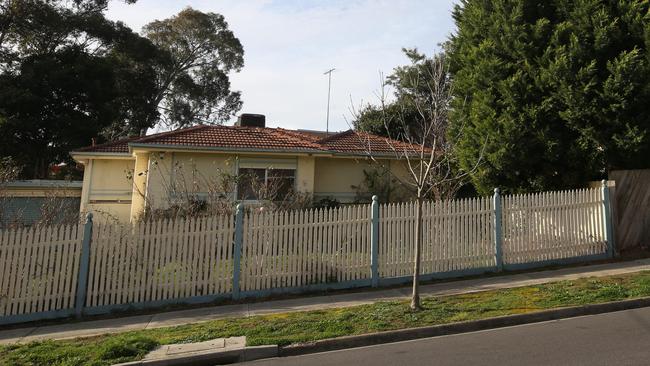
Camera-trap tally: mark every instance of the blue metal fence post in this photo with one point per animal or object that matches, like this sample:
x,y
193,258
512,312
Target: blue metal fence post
x,y
239,238
374,242
498,237
607,219
84,261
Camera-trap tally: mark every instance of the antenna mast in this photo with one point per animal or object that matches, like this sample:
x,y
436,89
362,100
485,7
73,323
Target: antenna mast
x,y
329,89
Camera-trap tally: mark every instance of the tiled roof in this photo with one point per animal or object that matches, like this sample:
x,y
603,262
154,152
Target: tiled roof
x,y
361,142
256,138
119,146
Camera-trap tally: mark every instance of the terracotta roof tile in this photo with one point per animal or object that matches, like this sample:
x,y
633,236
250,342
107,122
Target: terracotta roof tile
x,y
119,146
256,138
364,143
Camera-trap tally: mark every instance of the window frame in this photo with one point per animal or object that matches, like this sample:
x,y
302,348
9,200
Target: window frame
x,y
266,168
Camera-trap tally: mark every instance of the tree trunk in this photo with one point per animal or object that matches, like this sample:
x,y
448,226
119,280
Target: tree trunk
x,y
415,298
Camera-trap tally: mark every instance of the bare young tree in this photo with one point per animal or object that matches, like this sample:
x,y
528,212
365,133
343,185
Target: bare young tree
x,y
417,125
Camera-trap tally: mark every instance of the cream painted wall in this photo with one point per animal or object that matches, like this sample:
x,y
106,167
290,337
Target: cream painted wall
x,y
334,177
110,180
159,174
305,174
107,189
139,187
110,212
202,172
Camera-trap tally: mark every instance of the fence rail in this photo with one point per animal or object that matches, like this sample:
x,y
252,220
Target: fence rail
x,y
61,271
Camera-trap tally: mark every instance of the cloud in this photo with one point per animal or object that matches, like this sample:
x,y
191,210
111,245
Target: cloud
x,y
288,44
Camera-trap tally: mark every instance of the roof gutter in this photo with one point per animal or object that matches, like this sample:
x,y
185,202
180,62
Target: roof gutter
x,y
226,149
248,150
78,156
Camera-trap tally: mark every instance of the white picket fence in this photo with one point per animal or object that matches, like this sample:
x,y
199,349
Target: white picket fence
x,y
457,235
38,268
202,259
160,260
553,225
303,247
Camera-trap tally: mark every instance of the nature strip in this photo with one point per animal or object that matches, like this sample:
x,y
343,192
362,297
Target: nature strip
x,y
362,340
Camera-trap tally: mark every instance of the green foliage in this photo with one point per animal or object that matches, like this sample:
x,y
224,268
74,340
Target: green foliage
x,y
409,82
78,76
327,202
126,348
67,79
379,182
559,88
9,170
97,352
305,326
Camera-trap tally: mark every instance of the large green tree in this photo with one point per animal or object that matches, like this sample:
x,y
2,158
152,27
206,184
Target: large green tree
x,y
559,88
66,75
192,81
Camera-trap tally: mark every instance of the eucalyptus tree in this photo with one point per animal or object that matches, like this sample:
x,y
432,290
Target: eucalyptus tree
x,y
192,81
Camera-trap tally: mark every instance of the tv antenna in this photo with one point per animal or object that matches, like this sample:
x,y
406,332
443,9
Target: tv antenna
x,y
329,90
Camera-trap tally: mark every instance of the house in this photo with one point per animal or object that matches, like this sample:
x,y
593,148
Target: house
x,y
124,178
26,202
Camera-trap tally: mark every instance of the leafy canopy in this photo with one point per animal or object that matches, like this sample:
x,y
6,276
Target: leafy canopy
x,y
560,89
193,84
67,75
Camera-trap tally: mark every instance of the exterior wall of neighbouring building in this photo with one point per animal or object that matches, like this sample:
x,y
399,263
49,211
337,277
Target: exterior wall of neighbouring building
x,y
25,202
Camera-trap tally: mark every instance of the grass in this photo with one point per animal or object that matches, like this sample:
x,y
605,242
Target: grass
x,y
297,327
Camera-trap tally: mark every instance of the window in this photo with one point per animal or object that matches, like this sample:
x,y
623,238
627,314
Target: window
x,y
265,184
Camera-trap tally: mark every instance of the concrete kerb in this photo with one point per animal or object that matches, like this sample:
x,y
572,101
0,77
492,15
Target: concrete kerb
x,y
456,328
217,357
261,352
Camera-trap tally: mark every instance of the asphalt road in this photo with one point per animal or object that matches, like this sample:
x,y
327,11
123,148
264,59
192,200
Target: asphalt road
x,y
620,338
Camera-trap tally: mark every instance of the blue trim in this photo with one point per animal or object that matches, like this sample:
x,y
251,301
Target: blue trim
x,y
99,310
498,237
44,183
84,263
239,238
607,217
374,242
32,317
552,262
436,276
308,288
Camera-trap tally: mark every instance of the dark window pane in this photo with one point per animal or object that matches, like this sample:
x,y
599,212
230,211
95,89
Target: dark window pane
x,y
281,182
250,181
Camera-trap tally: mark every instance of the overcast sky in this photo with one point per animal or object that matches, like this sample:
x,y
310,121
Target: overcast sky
x,y
288,44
